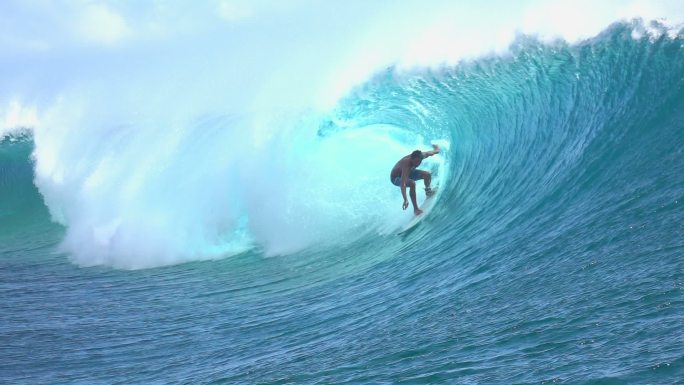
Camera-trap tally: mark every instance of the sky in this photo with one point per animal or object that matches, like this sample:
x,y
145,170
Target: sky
x,y
254,54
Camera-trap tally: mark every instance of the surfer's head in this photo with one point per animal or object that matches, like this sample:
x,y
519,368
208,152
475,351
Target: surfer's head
x,y
416,157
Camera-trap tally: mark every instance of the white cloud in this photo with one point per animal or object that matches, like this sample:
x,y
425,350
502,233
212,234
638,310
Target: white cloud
x,y
100,24
581,19
232,10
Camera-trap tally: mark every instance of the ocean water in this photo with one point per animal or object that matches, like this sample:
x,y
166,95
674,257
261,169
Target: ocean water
x,y
183,244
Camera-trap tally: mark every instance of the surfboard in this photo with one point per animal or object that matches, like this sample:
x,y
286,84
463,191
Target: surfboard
x,y
427,206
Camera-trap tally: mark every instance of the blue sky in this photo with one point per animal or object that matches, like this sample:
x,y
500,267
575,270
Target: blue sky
x,y
241,51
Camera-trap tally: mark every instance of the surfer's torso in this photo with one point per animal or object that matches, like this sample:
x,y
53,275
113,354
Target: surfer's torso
x,y
396,170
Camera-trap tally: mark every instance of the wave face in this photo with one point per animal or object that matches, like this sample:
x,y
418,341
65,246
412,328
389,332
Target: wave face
x,y
557,235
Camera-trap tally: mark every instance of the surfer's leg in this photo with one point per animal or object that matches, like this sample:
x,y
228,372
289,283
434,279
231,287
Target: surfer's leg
x,y
412,193
424,175
427,178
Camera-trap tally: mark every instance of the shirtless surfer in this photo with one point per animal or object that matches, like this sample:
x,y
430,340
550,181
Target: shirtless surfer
x,y
404,174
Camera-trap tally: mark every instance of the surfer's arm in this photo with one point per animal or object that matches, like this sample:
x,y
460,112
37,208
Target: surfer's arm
x,y
431,153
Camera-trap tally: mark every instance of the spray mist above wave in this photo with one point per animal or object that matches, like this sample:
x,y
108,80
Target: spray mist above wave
x,y
200,143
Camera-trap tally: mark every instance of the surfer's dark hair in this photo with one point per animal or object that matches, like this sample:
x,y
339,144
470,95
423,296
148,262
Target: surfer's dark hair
x,y
417,154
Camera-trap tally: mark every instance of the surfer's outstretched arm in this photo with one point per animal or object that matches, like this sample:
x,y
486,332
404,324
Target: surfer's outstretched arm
x,y
435,150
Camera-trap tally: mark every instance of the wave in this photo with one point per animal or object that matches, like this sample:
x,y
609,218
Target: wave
x,y
549,135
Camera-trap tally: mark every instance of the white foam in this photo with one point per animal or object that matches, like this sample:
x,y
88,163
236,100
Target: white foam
x,y
16,117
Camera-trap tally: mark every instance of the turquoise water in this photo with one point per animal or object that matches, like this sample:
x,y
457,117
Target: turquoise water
x,y
554,253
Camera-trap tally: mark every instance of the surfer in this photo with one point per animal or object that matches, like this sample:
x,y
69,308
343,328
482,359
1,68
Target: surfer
x,y
404,174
